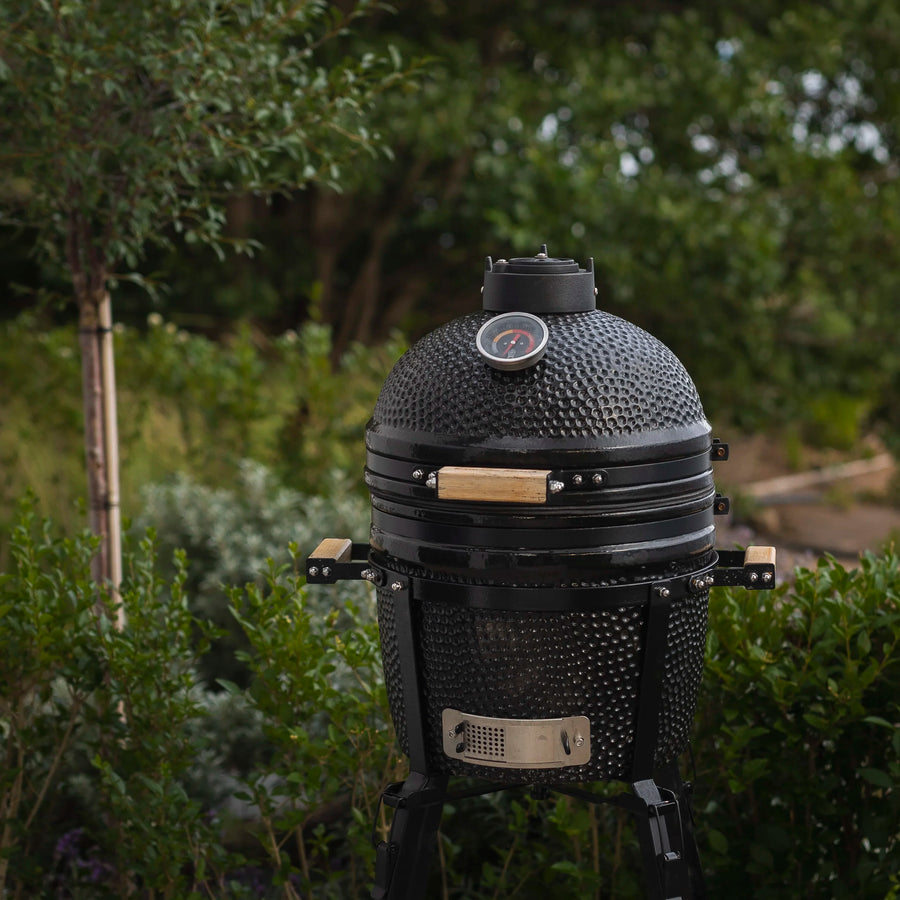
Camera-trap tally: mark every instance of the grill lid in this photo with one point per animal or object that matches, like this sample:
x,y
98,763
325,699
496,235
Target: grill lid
x,y
604,388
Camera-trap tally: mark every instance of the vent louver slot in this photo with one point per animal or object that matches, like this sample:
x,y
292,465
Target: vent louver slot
x,y
517,743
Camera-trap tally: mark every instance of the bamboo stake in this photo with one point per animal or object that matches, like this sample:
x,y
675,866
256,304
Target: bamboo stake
x,y
111,447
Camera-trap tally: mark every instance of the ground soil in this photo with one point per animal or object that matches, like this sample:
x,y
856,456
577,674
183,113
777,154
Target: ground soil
x,y
842,517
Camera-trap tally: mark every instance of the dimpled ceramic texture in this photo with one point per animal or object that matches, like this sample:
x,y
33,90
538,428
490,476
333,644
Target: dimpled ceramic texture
x,y
600,377
605,390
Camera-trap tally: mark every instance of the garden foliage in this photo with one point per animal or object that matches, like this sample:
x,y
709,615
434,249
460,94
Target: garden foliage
x,y
188,404
127,775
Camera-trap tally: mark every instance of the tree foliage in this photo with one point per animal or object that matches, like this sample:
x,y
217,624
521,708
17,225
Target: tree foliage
x,y
129,123
733,171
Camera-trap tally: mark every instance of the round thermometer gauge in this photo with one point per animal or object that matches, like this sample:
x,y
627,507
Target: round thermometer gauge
x,y
513,340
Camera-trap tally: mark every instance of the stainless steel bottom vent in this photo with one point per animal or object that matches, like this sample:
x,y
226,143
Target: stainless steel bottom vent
x,y
517,743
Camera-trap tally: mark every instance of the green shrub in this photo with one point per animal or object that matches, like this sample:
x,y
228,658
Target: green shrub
x,y
229,534
798,736
96,742
123,776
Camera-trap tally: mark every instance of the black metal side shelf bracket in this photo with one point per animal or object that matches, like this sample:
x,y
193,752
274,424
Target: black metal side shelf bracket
x,y
753,568
337,559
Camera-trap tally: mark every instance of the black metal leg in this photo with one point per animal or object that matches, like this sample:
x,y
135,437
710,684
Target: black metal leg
x,y
403,860
669,778
668,843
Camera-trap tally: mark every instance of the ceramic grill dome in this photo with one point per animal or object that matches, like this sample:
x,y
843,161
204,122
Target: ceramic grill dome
x,y
523,609
603,385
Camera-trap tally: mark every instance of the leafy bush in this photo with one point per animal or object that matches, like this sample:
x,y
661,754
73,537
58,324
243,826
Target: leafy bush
x,y
95,726
798,736
229,534
797,754
124,777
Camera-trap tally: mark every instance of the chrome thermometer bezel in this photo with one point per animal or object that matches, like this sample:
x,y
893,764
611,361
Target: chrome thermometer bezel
x,y
528,324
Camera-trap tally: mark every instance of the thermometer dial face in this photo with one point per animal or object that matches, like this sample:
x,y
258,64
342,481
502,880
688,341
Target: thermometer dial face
x,y
512,341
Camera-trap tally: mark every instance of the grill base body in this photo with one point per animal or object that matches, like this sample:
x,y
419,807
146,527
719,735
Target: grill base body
x,y
538,664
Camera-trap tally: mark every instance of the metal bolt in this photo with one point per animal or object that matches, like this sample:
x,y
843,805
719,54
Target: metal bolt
x,y
698,583
326,572
753,578
431,481
579,740
396,586
504,261
418,474
598,478
663,592
596,291
766,577
313,570
720,451
577,480
710,580
540,255
369,575
556,487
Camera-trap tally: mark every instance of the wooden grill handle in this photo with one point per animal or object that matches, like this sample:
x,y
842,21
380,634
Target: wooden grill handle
x,y
492,485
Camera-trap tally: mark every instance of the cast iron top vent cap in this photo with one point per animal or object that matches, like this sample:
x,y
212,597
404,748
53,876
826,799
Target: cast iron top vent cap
x,y
538,284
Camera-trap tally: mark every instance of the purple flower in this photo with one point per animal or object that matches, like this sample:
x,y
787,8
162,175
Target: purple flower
x,y
69,844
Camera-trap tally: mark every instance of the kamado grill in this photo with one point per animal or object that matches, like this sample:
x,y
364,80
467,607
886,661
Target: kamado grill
x,y
543,547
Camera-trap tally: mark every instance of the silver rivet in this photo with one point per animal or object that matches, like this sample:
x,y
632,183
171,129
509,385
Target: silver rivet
x,y
579,740
369,574
556,487
326,572
418,474
313,570
598,478
577,480
663,592
767,577
753,578
396,586
431,481
710,580
698,584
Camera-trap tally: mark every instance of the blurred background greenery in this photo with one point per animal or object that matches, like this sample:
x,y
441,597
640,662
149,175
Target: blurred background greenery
x,y
733,171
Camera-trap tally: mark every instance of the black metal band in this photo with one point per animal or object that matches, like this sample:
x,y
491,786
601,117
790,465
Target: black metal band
x,y
551,452
613,476
566,535
561,599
